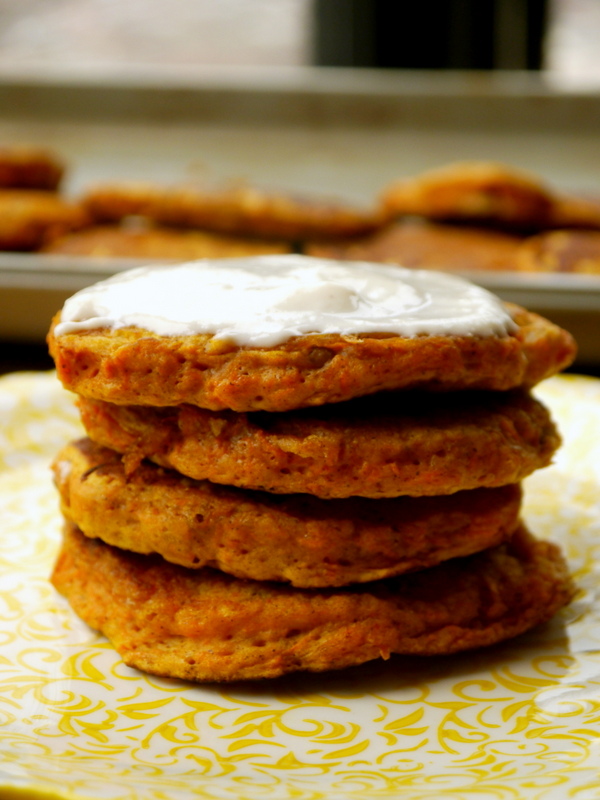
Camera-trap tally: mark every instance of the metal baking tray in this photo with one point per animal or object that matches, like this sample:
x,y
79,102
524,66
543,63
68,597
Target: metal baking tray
x,y
336,132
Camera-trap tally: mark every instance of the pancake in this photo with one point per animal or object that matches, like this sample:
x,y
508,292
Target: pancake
x,y
482,192
112,241
29,218
133,366
203,625
576,211
294,538
572,251
30,167
426,245
115,201
386,445
234,209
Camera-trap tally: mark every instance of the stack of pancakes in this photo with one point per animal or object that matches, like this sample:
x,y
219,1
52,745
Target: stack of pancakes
x,y
243,512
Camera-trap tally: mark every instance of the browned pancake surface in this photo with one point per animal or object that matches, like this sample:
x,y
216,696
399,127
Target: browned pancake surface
x,y
204,625
576,211
133,366
113,241
484,192
381,446
236,209
29,218
30,167
295,538
561,252
426,245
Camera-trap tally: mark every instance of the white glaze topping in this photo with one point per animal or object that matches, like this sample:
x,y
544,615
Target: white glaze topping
x,y
265,300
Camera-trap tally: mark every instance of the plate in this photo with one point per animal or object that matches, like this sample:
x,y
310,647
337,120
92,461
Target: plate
x,y
517,720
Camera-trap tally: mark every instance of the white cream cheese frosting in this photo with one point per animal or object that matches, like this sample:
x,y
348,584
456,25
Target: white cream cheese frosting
x,y
265,300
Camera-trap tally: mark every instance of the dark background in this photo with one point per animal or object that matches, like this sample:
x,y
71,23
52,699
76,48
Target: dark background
x,y
430,34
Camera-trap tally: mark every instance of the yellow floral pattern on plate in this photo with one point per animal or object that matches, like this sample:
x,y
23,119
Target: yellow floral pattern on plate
x,y
519,720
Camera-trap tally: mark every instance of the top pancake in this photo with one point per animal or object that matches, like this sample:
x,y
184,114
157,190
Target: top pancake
x,y
135,367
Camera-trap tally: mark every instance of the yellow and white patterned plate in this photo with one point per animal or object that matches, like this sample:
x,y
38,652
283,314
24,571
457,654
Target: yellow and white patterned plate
x,y
520,720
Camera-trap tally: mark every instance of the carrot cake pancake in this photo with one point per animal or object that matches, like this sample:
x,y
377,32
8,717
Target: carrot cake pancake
x,y
29,218
427,245
383,445
491,194
30,167
276,333
294,538
576,211
233,209
204,625
142,242
483,192
572,251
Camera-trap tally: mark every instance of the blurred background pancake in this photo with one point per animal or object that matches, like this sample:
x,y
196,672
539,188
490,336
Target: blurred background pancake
x,y
428,245
143,242
562,251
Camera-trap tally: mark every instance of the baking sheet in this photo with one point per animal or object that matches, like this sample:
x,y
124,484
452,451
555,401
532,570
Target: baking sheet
x,y
331,131
517,721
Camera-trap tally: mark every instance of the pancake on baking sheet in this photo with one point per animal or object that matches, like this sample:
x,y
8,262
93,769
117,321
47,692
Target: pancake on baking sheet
x,y
426,245
30,167
233,209
572,251
29,218
576,211
384,445
482,192
204,625
113,241
114,202
295,538
264,370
